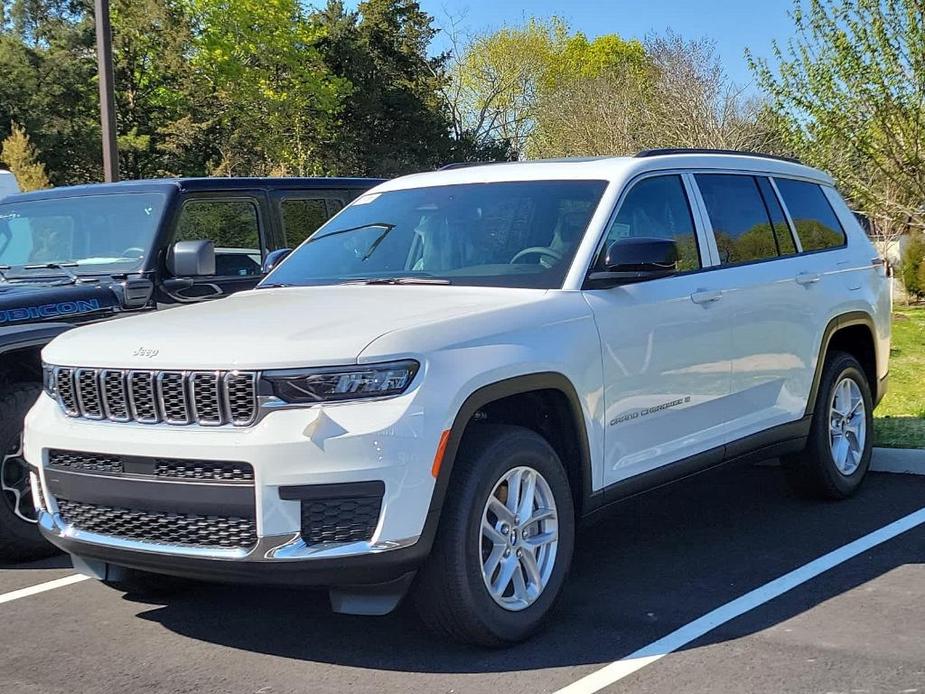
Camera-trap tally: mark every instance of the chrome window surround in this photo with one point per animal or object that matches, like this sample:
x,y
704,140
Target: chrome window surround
x,y
126,395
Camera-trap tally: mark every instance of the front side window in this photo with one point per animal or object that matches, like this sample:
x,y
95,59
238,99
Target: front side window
x,y
741,226
509,234
657,207
816,222
92,234
232,225
302,217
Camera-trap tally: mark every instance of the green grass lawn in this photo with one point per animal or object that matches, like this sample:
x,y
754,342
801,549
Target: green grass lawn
x,y
899,421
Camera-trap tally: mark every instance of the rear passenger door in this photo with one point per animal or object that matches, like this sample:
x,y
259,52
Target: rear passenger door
x,y
773,300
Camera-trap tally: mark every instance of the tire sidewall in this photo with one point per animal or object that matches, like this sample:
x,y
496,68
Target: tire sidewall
x,y
498,459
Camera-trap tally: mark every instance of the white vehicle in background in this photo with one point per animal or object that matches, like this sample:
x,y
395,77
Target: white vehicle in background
x,y
8,183
440,383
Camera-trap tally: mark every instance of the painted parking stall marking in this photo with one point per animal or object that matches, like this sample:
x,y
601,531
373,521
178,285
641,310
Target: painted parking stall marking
x,y
42,587
679,638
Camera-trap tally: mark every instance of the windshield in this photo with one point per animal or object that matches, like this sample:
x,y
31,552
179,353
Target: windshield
x,y
88,233
508,234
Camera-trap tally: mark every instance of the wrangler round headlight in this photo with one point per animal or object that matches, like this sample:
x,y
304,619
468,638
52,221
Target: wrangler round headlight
x,y
341,383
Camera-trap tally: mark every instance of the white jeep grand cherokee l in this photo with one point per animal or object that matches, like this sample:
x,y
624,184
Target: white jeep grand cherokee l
x,y
435,388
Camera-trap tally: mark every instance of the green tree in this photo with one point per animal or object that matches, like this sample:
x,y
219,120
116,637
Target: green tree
x,y
849,91
393,120
913,262
20,155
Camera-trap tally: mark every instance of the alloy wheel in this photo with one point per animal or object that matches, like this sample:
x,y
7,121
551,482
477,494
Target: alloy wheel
x,y
16,482
519,538
847,426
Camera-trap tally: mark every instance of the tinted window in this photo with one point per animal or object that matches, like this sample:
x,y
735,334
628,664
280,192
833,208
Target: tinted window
x,y
301,218
740,220
231,225
785,243
812,215
657,208
512,234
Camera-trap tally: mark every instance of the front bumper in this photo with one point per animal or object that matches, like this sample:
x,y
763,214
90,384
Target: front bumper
x,y
292,453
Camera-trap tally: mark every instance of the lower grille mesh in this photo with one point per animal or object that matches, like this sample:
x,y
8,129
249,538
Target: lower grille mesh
x,y
340,520
160,527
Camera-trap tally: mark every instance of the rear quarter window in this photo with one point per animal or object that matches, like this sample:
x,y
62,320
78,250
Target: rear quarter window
x,y
815,221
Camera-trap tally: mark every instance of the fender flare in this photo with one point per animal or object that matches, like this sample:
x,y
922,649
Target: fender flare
x,y
549,380
843,320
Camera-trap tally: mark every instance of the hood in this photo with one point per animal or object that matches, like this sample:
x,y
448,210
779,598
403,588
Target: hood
x,y
273,328
52,300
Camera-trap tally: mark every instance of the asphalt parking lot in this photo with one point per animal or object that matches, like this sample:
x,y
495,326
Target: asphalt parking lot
x,y
659,563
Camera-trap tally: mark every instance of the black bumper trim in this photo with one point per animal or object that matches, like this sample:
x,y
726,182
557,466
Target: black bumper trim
x,y
153,495
345,490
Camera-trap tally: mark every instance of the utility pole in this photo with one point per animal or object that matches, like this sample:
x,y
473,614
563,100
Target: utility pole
x,y
107,99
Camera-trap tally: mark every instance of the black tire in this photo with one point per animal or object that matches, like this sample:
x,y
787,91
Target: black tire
x,y
450,594
813,472
20,539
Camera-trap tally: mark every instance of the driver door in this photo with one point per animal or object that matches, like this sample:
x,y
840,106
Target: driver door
x,y
665,342
237,226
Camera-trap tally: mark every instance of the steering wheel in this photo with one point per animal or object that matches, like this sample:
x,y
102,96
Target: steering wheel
x,y
537,250
133,252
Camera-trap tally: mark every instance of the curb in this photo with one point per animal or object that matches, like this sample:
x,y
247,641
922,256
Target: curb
x,y
905,461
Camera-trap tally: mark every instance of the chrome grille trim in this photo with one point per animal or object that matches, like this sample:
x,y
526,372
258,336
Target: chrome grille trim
x,y
87,390
206,398
114,395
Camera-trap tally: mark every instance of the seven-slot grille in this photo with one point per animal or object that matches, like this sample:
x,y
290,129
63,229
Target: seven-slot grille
x,y
210,398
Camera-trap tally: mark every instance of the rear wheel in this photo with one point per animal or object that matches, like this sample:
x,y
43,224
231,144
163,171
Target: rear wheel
x,y
505,540
20,539
837,454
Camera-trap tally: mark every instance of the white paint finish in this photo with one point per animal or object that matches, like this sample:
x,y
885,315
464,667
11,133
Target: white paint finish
x,y
689,633
42,587
903,461
660,347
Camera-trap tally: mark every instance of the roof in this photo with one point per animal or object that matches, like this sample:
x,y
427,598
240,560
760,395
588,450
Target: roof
x,y
609,169
198,184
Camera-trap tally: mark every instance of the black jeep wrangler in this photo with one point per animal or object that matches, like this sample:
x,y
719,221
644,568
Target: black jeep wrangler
x,y
75,255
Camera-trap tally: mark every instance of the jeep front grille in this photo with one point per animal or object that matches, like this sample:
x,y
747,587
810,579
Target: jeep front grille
x,y
209,398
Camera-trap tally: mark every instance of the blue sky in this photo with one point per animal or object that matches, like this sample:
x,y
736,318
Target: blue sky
x,y
734,25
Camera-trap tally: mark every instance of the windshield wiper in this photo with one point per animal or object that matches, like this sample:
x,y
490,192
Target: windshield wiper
x,y
3,269
399,280
63,267
385,225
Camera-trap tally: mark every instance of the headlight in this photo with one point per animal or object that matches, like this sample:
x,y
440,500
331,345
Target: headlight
x,y
341,383
48,380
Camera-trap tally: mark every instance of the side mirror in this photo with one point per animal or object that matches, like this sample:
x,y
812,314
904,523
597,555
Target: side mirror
x,y
191,259
274,258
636,260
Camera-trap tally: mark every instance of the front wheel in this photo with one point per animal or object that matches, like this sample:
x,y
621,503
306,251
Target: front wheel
x,y
505,540
838,451
20,539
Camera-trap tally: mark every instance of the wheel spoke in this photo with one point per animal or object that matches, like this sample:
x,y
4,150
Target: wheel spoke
x,y
502,512
527,494
513,491
508,567
537,541
539,515
491,563
531,569
492,534
840,452
521,592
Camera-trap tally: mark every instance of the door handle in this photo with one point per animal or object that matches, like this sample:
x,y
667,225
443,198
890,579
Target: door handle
x,y
808,278
702,296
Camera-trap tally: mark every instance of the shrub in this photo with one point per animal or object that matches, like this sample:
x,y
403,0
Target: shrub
x,y
913,265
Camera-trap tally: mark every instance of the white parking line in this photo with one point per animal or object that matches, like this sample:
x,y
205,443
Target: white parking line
x,y
42,587
647,655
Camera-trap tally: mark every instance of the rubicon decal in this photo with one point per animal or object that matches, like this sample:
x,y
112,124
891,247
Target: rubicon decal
x,y
649,410
64,308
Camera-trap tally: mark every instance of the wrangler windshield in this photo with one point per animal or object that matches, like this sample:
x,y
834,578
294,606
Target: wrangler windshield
x,y
508,234
90,234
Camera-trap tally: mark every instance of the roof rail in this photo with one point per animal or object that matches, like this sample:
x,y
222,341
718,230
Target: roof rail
x,y
693,150
466,164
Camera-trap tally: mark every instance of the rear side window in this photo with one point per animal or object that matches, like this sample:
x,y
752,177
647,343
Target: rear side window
x,y
739,217
815,220
301,218
785,243
657,207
